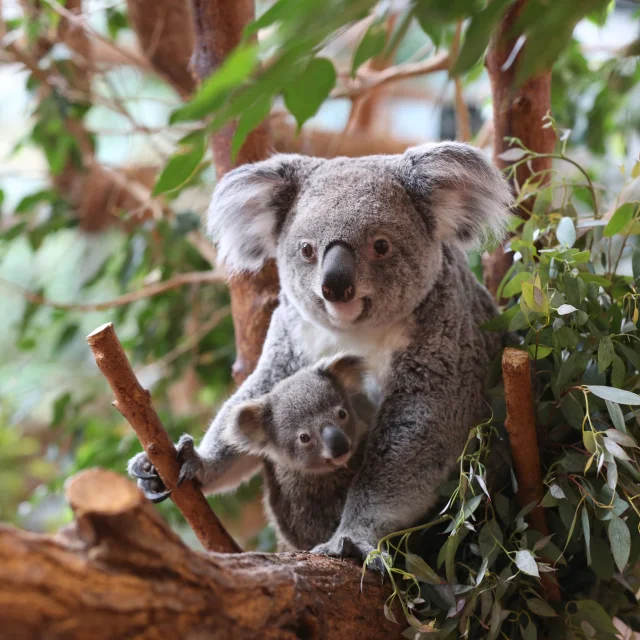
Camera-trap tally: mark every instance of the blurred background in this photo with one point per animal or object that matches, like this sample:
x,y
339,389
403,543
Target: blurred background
x,y
84,241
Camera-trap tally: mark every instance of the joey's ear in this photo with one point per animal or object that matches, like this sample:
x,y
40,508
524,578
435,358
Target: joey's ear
x,y
248,424
461,195
249,207
348,370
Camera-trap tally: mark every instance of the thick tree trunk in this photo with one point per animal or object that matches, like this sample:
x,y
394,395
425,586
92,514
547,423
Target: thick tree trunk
x,y
518,113
120,572
218,27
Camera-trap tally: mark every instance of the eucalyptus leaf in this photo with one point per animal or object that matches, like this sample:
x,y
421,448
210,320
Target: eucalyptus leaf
x,y
614,395
586,529
541,608
371,45
620,219
304,96
620,540
566,232
526,563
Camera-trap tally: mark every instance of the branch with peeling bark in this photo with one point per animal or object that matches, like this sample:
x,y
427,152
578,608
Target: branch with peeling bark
x,y
134,403
119,571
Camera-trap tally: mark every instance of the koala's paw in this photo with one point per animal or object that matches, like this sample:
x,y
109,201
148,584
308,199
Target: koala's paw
x,y
345,546
190,461
141,468
149,481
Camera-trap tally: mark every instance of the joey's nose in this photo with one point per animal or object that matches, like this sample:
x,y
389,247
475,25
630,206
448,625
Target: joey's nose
x,y
336,442
339,273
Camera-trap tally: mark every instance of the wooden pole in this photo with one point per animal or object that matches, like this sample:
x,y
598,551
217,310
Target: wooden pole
x,y
521,426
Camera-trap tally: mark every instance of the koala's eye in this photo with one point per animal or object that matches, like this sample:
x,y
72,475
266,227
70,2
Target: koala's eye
x,y
307,251
342,414
381,247
304,438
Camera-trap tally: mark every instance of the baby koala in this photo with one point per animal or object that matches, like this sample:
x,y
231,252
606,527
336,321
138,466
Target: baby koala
x,y
310,430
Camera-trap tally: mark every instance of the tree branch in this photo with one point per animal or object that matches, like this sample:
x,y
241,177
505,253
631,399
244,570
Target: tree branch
x,y
218,28
365,82
134,403
517,113
119,572
195,277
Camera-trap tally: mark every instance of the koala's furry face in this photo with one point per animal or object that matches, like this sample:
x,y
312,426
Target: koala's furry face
x,y
361,206
311,424
306,422
358,241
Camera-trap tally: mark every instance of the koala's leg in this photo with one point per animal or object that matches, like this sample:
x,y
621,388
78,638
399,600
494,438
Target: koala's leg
x,y
412,448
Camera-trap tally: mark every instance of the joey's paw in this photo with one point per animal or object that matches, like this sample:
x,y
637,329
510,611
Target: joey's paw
x,y
189,459
149,481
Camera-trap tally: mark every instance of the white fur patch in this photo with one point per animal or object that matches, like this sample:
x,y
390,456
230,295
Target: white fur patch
x,y
376,347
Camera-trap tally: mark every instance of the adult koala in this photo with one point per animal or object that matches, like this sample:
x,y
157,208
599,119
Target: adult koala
x,y
369,254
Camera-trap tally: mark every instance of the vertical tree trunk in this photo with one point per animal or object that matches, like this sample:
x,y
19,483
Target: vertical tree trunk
x,y
218,26
517,112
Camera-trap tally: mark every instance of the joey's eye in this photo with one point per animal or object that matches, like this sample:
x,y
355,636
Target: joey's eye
x,y
304,438
342,414
307,251
381,247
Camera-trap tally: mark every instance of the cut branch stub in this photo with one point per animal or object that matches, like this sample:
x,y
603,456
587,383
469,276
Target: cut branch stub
x,y
134,403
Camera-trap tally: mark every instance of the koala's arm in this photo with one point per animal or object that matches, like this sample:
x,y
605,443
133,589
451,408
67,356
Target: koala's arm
x,y
413,446
219,464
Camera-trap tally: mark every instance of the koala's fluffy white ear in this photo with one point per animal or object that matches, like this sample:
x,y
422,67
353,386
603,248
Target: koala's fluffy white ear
x,y
461,195
349,370
249,207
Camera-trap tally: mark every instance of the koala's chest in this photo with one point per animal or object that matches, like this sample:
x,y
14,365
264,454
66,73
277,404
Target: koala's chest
x,y
377,348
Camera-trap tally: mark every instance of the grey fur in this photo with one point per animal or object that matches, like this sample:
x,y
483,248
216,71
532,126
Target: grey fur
x,y
305,490
415,315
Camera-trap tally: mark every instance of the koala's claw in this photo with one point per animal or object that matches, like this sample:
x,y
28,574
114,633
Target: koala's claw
x,y
190,461
348,547
140,467
148,480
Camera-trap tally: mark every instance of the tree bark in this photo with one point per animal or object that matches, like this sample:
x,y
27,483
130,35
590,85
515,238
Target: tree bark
x,y
218,27
120,572
517,113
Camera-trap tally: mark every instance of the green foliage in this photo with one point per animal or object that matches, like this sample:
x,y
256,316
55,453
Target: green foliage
x,y
578,318
572,300
302,27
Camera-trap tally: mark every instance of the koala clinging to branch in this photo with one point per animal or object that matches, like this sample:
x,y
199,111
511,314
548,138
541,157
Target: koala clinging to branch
x,y
310,430
369,255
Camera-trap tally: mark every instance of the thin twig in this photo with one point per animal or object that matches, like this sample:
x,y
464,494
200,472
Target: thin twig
x,y
196,277
366,82
190,341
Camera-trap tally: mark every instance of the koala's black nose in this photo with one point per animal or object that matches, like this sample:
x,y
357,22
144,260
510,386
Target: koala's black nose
x,y
336,442
339,273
